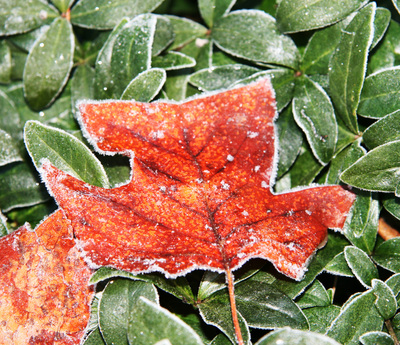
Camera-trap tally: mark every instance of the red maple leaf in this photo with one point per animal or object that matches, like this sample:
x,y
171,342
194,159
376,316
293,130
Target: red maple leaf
x,y
44,292
200,192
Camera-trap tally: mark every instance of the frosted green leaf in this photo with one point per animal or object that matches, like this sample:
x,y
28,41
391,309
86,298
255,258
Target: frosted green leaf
x,y
82,84
172,61
315,296
63,5
361,265
386,301
5,62
373,338
387,255
383,131
163,35
8,150
186,31
212,10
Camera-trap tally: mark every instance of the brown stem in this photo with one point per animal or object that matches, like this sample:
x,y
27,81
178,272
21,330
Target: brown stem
x,y
231,289
392,333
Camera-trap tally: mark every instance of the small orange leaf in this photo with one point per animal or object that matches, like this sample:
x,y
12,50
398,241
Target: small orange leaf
x,y
44,292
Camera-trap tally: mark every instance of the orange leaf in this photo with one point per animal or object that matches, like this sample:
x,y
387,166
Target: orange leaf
x,y
44,293
199,196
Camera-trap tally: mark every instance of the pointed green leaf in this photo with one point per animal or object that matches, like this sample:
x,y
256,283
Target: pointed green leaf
x,y
65,152
378,170
220,77
186,31
374,338
62,5
19,16
212,10
381,93
221,339
145,86
9,152
150,324
303,15
383,131
173,60
348,65
319,50
94,338
392,205
381,23
5,62
338,266
320,318
105,14
163,36
356,318
244,34
313,112
387,255
315,296
361,224
295,337
386,301
49,64
361,265
118,304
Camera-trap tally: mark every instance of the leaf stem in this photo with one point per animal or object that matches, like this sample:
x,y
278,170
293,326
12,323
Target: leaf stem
x,y
392,333
232,300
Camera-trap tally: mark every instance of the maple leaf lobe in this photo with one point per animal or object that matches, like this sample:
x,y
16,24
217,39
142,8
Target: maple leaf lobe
x,y
199,196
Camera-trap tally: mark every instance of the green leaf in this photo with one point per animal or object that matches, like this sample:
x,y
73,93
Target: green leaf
x,y
212,10
392,205
216,311
19,16
290,140
373,338
103,81
244,34
221,339
378,170
94,338
145,86
105,14
361,224
387,255
26,40
381,93
303,15
386,301
63,5
49,64
65,152
319,50
381,23
220,77
19,187
320,318
361,265
150,324
186,31
348,65
396,5
313,112
119,304
3,225
383,131
338,266
82,84
315,296
295,337
163,36
356,318
176,87
173,60
9,152
5,62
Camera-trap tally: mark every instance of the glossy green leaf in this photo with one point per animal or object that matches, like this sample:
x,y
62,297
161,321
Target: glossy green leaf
x,y
302,15
20,186
290,140
220,77
295,337
119,303
386,301
338,266
381,93
105,14
5,62
173,60
361,265
361,224
163,36
82,84
387,255
145,86
186,31
103,81
212,10
374,338
356,318
49,64
320,318
381,23
9,152
151,324
315,296
63,5
19,16
383,131
65,152
244,34
319,50
348,65
313,112
378,170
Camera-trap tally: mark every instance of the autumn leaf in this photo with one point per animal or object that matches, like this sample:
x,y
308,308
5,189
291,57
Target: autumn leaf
x,y
200,193
44,292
